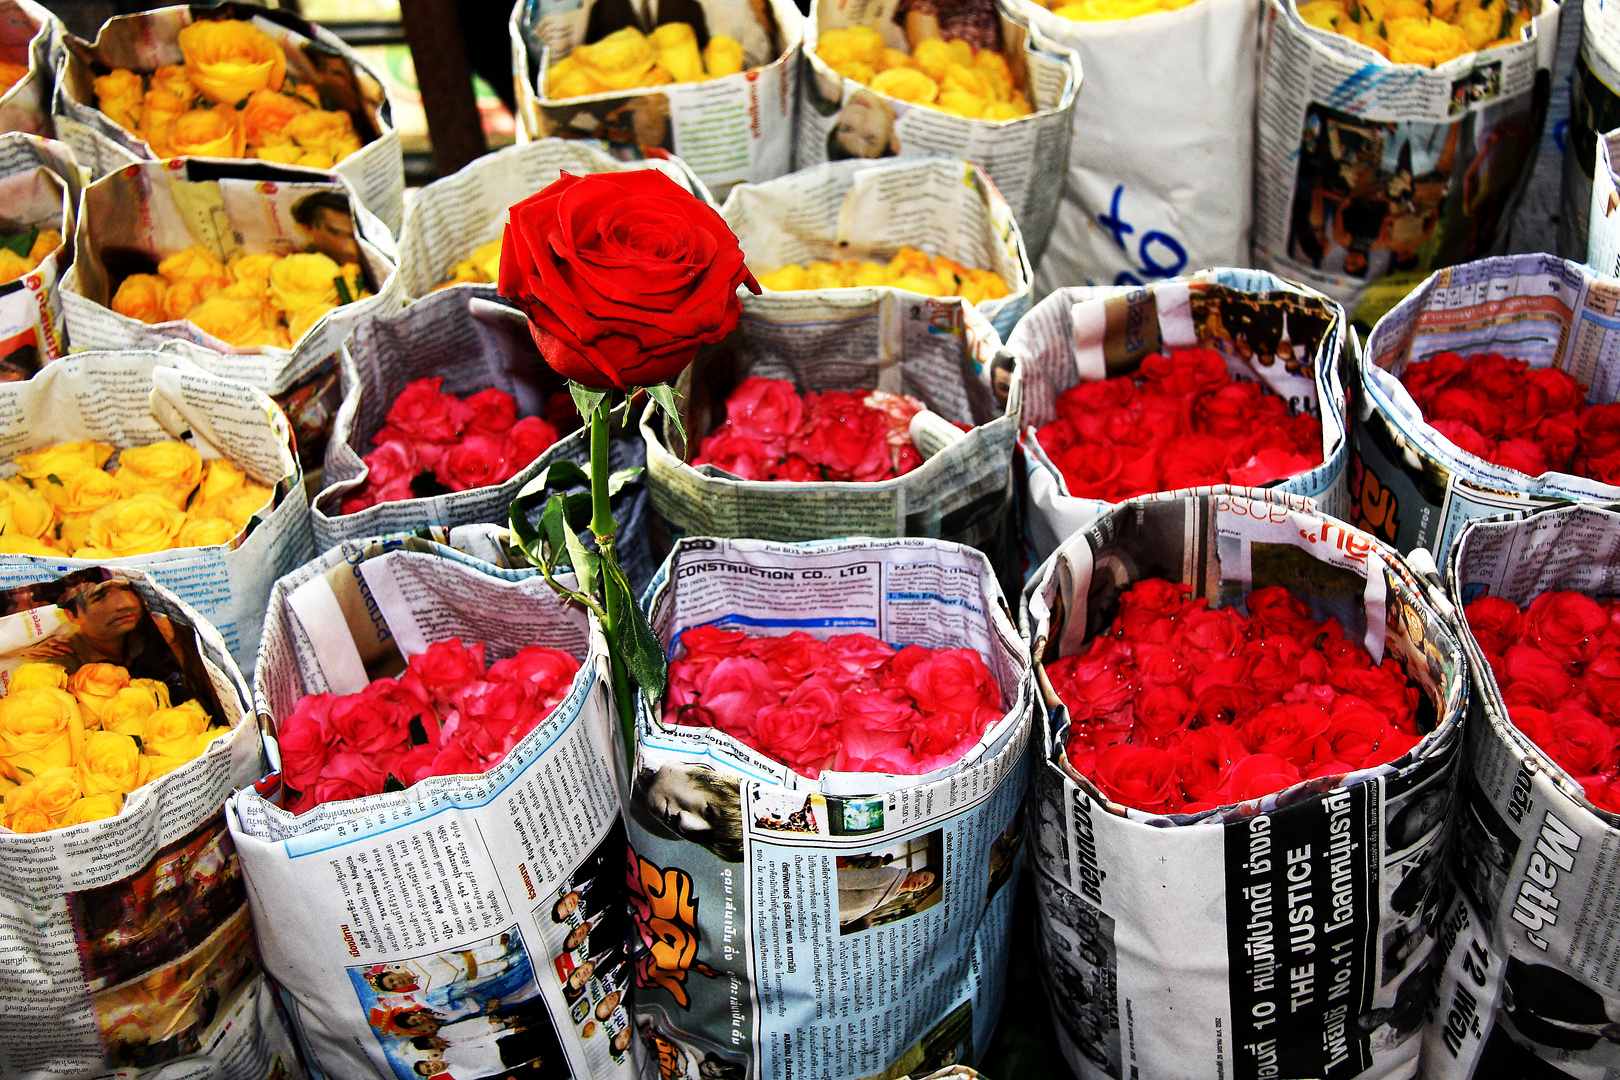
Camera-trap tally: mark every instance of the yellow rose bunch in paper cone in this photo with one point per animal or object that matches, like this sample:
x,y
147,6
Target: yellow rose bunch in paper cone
x,y
931,275
63,500
951,76
628,59
1109,10
1426,32
482,266
72,747
229,98
14,266
250,301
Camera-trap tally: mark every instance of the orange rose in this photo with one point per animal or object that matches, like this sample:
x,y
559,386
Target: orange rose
x,y
140,296
207,133
266,113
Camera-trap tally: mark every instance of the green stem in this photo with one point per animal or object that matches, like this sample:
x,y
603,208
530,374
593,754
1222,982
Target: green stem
x,y
602,525
603,528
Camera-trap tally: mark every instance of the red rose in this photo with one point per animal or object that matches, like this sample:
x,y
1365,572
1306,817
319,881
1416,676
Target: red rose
x,y
1604,468
800,732
1096,682
1279,611
1286,730
1205,636
1185,371
489,412
744,458
738,688
477,461
1602,680
1522,454
1494,622
1271,464
445,667
1146,604
1603,795
1230,412
1533,677
306,740
1385,686
768,410
390,463
348,775
1160,665
545,674
1090,471
1584,745
490,719
1260,775
1274,662
1193,461
1138,776
415,765
421,413
1463,437
794,469
1085,399
1535,724
1355,729
1559,438
1424,378
1566,625
1599,429
1561,392
1393,745
1162,711
1480,413
1205,758
622,275
528,439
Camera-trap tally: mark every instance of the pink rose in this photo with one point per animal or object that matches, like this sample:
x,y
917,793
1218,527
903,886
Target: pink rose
x,y
738,688
854,658
488,412
422,413
872,722
371,723
800,732
792,659
444,668
348,775
528,439
748,459
953,681
767,410
477,461
544,674
306,739
390,463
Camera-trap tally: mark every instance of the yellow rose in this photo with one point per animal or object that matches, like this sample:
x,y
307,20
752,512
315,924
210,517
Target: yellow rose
x,y
120,95
158,115
205,532
173,79
1430,43
722,56
28,820
39,729
45,242
961,103
112,764
236,321
207,133
246,269
326,138
301,281
23,509
80,493
844,44
42,801
195,263
126,711
96,684
907,84
676,48
140,296
1480,26
169,468
982,285
173,732
228,60
301,322
138,525
33,675
266,115
219,476
567,79
185,295
619,61
11,74
62,460
93,808
18,544
236,506
13,265
786,279
287,153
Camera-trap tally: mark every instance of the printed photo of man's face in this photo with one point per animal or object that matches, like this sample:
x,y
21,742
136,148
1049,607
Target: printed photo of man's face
x,y
329,226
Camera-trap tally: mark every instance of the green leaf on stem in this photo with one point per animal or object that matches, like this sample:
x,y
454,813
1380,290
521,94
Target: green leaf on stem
x,y
528,538
586,564
636,643
565,474
577,509
585,399
617,481
664,394
554,526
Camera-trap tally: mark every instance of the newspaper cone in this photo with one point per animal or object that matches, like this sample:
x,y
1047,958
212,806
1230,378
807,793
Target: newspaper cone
x,y
28,34
39,190
1289,339
460,885
762,865
1292,934
159,966
869,210
1412,487
1519,993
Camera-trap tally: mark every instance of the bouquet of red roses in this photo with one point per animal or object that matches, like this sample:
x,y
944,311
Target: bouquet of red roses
x,y
851,703
446,715
435,442
1180,708
1557,666
1533,419
771,432
1180,421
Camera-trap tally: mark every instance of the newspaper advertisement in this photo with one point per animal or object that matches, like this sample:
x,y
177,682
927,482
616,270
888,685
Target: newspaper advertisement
x,y
1161,162
132,399
127,942
852,926
1412,487
473,925
865,210
147,40
229,209
472,342
28,31
1025,158
449,219
1287,936
942,352
1594,111
1369,175
726,129
1529,979
1289,339
39,194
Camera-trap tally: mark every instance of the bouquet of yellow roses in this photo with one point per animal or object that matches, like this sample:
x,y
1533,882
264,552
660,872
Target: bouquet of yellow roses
x,y
1109,10
951,76
910,269
627,59
1426,32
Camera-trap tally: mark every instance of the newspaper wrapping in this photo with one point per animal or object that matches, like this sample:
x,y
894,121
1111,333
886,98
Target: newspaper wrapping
x,y
39,189
135,398
860,209
1603,228
473,343
433,922
1289,936
726,129
1411,486
145,41
1368,175
28,33
856,925
839,118
131,219
1160,168
1526,979
944,353
127,942
1248,316
1594,111
449,218
1540,214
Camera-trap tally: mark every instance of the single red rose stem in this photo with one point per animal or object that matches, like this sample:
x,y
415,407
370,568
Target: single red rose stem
x,y
603,528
